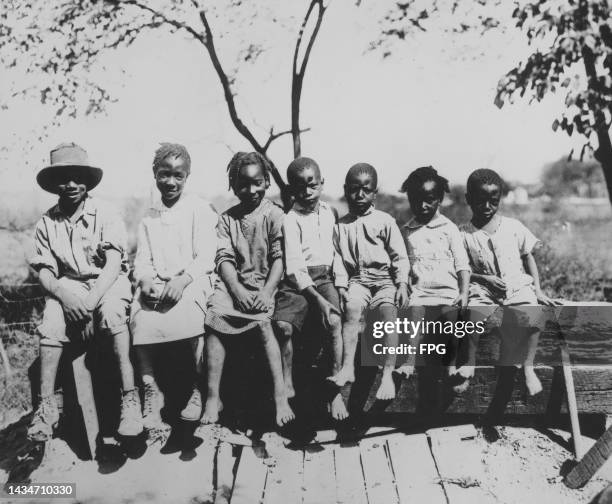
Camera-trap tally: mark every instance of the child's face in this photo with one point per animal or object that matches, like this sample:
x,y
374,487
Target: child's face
x,y
250,186
71,189
484,201
170,178
360,193
424,201
306,186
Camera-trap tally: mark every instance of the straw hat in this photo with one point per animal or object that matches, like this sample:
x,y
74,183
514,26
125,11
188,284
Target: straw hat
x,y
68,158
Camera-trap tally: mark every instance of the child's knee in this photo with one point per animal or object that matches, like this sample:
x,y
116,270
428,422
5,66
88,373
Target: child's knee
x,y
285,330
335,323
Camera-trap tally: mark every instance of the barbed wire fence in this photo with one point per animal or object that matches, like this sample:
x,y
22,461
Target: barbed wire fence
x,y
21,306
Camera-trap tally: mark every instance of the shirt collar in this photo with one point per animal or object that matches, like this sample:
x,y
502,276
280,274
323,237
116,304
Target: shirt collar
x,y
300,209
367,212
89,210
437,220
158,205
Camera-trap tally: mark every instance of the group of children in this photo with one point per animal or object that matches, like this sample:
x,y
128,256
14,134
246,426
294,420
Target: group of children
x,y
267,274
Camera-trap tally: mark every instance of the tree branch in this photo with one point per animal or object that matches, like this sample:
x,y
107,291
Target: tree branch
x,y
298,75
273,136
172,22
227,88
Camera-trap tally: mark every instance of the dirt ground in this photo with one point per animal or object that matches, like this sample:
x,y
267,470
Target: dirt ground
x,y
523,466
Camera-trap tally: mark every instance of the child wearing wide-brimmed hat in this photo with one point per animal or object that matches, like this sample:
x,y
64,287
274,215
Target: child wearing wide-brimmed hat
x,y
82,266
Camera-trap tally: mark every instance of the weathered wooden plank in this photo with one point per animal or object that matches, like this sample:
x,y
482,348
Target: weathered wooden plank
x,y
250,478
285,481
459,463
319,476
206,454
380,485
593,387
350,486
416,476
85,397
224,476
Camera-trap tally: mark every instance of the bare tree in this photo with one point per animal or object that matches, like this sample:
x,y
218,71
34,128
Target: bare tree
x,y
56,44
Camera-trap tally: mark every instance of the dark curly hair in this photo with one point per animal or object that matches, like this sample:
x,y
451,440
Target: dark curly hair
x,y
483,176
172,150
425,174
359,168
241,159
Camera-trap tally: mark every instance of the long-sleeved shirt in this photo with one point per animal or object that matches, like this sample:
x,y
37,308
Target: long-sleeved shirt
x,y
177,239
308,238
436,253
250,241
77,249
371,248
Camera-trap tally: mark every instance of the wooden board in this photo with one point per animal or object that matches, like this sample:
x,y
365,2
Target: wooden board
x,y
459,464
206,454
250,478
85,396
285,481
350,487
319,475
593,387
380,485
416,476
224,476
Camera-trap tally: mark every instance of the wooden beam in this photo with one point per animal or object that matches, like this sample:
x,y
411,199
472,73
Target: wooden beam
x,y
85,397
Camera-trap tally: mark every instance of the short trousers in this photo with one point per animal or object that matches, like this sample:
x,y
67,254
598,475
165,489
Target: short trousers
x,y
362,297
110,315
293,307
521,308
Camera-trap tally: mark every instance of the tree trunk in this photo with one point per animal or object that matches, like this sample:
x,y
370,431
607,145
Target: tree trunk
x,y
603,154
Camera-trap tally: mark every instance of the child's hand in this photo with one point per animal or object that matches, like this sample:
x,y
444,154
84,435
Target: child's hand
x,y
173,290
147,288
343,291
495,283
74,306
401,295
262,301
327,311
243,299
545,300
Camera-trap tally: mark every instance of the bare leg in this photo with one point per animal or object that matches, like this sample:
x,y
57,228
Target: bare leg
x,y
284,334
415,313
215,358
49,362
284,414
197,347
386,389
337,408
144,358
534,386
350,333
121,347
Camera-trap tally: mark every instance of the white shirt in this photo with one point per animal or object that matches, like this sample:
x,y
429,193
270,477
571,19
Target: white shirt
x,y
175,240
308,238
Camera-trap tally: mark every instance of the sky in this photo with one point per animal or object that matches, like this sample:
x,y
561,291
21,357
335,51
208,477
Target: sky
x,y
429,103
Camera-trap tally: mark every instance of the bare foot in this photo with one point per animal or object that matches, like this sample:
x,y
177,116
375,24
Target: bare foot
x,y
405,370
451,370
344,376
284,413
386,389
466,372
212,408
534,385
337,408
289,390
